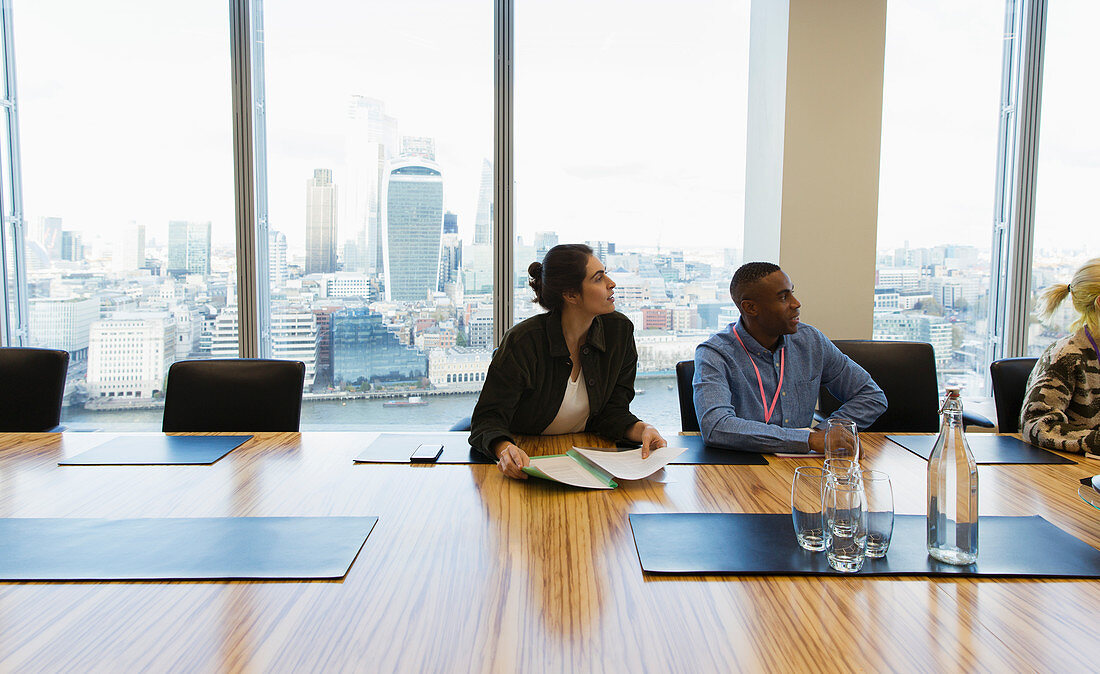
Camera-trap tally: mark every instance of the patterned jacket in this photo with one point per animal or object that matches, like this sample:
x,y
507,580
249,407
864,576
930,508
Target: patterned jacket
x,y
1062,407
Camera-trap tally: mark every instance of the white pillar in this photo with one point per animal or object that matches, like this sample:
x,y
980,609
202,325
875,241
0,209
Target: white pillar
x,y
814,131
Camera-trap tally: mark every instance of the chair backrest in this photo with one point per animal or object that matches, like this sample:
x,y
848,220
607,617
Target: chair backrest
x,y
685,372
233,395
906,373
32,384
1009,377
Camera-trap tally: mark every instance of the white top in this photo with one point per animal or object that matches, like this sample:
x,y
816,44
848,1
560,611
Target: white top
x,y
573,413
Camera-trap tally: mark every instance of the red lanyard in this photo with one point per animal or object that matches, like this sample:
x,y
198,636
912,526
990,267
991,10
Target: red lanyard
x,y
782,366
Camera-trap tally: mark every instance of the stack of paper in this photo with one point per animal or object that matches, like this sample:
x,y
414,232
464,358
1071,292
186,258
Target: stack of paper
x,y
597,468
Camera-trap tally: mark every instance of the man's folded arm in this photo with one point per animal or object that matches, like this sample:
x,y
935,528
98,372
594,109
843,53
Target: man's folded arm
x,y
862,401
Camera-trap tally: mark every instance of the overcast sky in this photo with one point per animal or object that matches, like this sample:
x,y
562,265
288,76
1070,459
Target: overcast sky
x,y
629,117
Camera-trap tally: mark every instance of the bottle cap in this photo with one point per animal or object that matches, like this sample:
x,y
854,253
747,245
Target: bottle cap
x,y
952,390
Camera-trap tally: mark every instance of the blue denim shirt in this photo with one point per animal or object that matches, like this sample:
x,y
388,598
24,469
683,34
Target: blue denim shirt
x,y
727,393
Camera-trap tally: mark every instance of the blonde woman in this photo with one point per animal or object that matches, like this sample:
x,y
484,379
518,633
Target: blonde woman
x,y
1062,407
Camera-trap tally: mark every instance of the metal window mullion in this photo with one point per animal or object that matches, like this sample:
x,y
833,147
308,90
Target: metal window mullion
x,y
249,168
503,225
14,328
1029,106
1017,170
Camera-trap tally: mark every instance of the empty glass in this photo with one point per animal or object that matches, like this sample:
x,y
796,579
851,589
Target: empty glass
x,y
806,499
840,467
845,523
841,439
878,499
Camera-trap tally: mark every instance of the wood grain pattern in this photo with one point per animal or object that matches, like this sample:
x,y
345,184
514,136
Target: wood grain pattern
x,y
469,571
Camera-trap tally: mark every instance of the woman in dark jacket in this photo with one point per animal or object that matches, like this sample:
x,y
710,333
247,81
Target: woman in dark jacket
x,y
568,370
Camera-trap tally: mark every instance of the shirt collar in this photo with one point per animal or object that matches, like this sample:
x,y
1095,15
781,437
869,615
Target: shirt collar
x,y
754,346
556,337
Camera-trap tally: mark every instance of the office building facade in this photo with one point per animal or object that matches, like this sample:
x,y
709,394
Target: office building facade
x,y
129,355
321,223
414,228
366,353
188,247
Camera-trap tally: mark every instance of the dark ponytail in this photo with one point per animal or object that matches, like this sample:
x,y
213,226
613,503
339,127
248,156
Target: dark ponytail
x,y
563,269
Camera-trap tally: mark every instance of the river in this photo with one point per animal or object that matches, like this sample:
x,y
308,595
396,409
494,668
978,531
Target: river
x,y
658,405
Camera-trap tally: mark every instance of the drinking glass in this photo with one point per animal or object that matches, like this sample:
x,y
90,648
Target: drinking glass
x,y
841,439
879,505
806,499
845,524
840,467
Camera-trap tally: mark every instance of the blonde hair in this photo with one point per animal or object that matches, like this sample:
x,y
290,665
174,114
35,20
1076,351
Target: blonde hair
x,y
1084,290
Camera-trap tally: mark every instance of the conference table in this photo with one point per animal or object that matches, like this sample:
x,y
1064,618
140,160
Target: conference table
x,y
467,570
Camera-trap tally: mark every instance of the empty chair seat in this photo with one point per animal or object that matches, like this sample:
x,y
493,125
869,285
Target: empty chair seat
x,y
32,385
233,395
1009,377
906,373
685,373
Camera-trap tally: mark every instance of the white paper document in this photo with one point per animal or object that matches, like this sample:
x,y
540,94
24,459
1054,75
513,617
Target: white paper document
x,y
564,468
629,464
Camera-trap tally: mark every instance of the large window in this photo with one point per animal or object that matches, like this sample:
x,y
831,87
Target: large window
x,y
128,192
374,185
936,187
379,129
630,136
1067,229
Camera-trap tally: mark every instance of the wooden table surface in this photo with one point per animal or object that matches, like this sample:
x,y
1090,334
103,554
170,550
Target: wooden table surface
x,y
469,571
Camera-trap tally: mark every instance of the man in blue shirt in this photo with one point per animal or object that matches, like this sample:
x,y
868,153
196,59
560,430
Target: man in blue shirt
x,y
756,382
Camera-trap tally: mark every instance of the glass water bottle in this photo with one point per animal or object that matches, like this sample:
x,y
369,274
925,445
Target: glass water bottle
x,y
952,490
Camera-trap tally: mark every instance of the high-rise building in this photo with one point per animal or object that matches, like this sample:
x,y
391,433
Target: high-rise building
x,y
477,269
323,367
47,232
365,352
294,337
130,248
188,247
224,334
601,249
63,323
418,146
276,259
414,228
544,241
450,260
483,222
371,141
450,223
72,246
129,355
320,223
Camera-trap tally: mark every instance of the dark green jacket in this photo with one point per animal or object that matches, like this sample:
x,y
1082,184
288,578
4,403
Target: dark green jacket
x,y
526,380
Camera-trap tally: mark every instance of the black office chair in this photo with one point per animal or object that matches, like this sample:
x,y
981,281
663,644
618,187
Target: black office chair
x,y
462,424
685,372
233,395
33,384
1009,377
906,373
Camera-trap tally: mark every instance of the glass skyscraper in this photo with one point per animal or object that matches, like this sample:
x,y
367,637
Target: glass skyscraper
x,y
365,352
414,228
188,247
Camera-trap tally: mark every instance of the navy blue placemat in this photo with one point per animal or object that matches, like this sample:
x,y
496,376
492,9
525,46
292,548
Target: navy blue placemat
x,y
988,448
398,447
745,544
206,548
158,450
701,454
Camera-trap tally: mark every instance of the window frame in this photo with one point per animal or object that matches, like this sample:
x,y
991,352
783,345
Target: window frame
x,y
1013,225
